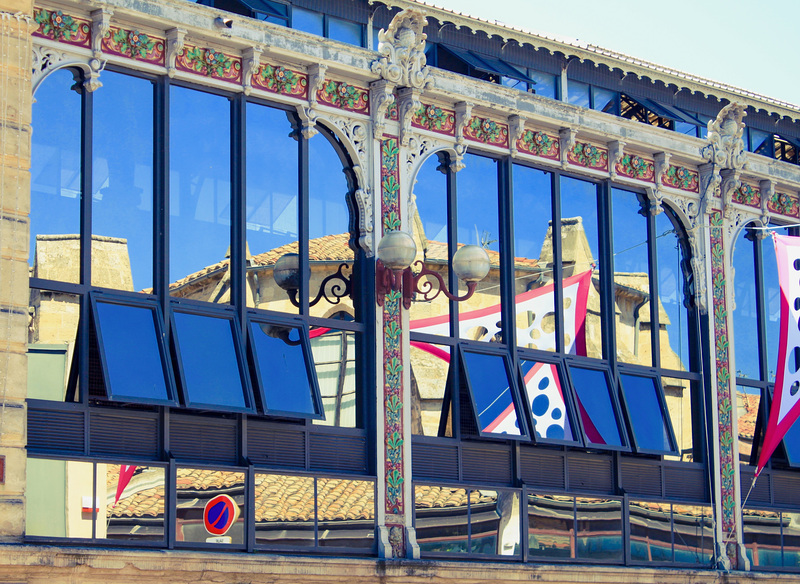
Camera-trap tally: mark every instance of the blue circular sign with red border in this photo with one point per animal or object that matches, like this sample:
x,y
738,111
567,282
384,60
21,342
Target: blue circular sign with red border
x,y
219,514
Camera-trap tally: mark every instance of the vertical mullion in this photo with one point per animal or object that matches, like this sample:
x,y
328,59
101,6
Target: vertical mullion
x,y
761,318
161,202
606,253
238,270
558,273
652,266
452,245
87,130
505,184
303,227
170,509
249,508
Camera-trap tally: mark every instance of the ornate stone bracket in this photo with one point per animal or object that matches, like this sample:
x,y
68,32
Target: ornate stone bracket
x,y
101,22
616,150
729,183
45,60
516,126
316,79
566,138
463,115
365,221
402,49
381,96
767,188
308,121
656,200
251,58
408,102
175,40
661,163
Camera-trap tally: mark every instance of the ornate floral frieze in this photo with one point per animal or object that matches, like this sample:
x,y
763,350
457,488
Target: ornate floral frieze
x,y
724,400
133,44
747,195
633,166
432,117
486,131
588,155
539,144
279,79
209,63
57,26
392,358
680,177
784,204
344,96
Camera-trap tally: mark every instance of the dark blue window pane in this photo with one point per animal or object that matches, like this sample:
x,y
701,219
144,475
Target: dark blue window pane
x,y
345,31
745,316
604,100
792,444
122,183
131,349
686,128
546,84
492,393
283,365
673,313
307,21
647,418
56,178
578,93
210,364
772,302
596,406
545,391
200,190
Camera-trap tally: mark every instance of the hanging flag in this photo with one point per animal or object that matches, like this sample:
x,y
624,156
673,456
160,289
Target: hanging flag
x,y
542,379
786,399
125,475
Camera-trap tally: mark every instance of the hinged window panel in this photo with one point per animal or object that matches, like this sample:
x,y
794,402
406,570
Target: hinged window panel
x,y
651,429
597,407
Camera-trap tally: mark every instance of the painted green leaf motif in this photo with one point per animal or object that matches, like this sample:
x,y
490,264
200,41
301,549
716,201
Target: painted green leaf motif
x,y
395,440
56,24
394,404
394,479
716,219
391,222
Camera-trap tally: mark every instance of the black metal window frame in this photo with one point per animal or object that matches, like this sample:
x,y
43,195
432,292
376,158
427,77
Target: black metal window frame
x,y
662,403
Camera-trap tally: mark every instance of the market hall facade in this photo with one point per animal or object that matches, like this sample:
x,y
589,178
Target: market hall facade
x,y
292,289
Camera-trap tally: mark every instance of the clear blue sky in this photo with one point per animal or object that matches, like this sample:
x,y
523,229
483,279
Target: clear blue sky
x,y
748,44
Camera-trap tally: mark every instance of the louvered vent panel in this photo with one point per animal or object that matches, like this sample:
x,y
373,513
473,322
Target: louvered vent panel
x,y
276,446
688,483
114,434
489,463
761,491
203,439
542,468
338,453
434,461
640,478
590,472
55,431
786,489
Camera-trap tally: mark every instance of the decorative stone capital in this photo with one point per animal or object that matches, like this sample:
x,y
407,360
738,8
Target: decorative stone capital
x,y
175,40
251,57
308,120
615,153
402,49
408,102
656,200
316,79
516,126
566,138
381,96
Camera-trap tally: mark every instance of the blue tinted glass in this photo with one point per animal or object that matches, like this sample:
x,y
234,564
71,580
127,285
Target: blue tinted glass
x,y
307,21
578,93
673,313
344,30
604,100
122,183
546,400
492,393
631,280
791,442
56,177
199,190
132,355
760,142
646,415
514,83
546,84
745,315
282,363
686,128
328,213
772,301
210,364
596,406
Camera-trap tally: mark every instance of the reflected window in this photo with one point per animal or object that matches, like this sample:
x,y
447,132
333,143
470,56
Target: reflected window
x,y
431,401
281,354
549,402
132,353
551,527
644,402
334,354
210,505
597,407
599,529
210,363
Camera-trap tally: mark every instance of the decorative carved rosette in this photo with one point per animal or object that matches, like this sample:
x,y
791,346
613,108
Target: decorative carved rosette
x,y
133,44
279,79
680,177
637,167
209,63
57,26
435,119
539,144
588,155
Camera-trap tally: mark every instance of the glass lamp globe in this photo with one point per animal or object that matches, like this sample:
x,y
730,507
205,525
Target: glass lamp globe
x,y
471,263
287,271
397,250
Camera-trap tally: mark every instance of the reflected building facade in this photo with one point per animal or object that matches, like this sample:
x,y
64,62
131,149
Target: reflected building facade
x,y
201,357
